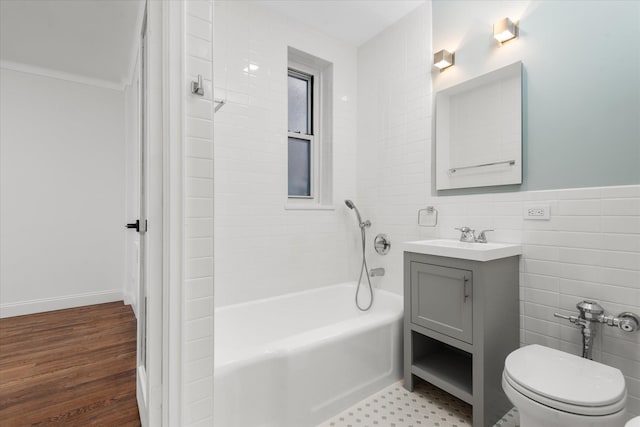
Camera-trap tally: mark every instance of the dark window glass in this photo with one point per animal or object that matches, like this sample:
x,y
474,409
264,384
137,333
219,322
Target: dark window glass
x,y
299,114
299,167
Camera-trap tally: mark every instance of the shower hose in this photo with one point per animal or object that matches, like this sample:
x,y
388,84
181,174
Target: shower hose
x,y
364,270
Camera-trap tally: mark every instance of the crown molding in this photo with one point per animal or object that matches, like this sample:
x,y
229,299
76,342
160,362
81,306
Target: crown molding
x,y
60,75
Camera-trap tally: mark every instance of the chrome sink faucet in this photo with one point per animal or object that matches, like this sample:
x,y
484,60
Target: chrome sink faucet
x,y
482,237
469,235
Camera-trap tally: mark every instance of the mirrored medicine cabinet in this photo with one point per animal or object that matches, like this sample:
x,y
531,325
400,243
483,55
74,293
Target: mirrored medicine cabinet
x,y
478,131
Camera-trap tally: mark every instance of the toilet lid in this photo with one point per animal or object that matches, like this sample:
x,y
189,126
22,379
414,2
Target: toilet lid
x,y
563,377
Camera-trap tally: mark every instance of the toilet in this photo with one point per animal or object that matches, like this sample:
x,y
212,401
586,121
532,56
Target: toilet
x,y
551,388
634,422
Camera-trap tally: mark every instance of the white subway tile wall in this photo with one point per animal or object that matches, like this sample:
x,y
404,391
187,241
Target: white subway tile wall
x,y
197,373
261,248
590,248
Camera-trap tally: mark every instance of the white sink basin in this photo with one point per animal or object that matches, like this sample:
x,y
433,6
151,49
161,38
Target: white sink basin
x,y
463,250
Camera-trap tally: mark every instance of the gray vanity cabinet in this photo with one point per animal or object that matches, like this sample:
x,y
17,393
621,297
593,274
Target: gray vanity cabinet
x,y
461,321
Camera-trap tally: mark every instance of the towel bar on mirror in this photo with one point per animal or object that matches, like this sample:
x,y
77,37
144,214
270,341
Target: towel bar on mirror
x,y
506,162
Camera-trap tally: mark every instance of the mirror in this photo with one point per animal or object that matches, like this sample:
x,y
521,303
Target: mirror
x,y
479,131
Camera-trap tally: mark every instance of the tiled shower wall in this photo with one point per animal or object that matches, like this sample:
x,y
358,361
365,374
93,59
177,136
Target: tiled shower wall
x,y
394,135
590,248
197,334
263,249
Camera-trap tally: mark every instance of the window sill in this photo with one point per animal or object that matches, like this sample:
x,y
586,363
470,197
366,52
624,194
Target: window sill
x,y
308,207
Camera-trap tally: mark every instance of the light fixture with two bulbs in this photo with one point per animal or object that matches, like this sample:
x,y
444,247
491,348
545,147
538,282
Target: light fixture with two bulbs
x,y
503,31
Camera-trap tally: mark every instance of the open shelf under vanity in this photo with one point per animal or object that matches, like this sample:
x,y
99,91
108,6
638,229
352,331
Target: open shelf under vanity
x,y
444,366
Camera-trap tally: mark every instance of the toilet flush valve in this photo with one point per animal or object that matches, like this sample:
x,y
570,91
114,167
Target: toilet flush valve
x,y
590,313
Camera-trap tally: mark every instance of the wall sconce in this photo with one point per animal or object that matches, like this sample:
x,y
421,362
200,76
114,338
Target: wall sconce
x,y
505,30
443,59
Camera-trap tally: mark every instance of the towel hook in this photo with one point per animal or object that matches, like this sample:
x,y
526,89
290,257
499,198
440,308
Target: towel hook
x,y
197,87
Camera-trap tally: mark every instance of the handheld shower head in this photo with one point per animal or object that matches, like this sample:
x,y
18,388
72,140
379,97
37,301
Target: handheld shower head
x,y
364,269
352,206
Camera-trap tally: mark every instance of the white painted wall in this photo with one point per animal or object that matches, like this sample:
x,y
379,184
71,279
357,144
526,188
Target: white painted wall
x,y
261,249
61,193
589,249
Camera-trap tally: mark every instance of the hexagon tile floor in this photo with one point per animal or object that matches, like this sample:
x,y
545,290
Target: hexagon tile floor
x,y
426,406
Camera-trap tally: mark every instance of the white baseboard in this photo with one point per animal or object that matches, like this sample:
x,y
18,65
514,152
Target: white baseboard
x,y
130,300
58,303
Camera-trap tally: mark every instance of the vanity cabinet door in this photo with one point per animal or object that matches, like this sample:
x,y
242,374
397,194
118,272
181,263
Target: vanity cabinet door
x,y
441,300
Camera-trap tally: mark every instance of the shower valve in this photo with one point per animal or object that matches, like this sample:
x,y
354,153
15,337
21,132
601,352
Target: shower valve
x,y
382,244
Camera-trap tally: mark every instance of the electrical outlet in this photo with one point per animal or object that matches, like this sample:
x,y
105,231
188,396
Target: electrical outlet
x,y
537,211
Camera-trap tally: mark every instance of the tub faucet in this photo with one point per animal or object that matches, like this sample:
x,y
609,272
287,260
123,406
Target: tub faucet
x,y
376,272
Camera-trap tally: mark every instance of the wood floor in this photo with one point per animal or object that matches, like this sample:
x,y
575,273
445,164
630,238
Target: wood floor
x,y
73,367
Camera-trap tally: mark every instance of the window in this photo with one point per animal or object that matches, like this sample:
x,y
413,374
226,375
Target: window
x,y
309,137
301,144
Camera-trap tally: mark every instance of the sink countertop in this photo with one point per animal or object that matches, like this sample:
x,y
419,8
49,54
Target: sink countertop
x,y
463,250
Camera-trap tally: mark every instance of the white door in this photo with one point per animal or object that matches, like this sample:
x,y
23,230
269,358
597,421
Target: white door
x,y
140,225
150,225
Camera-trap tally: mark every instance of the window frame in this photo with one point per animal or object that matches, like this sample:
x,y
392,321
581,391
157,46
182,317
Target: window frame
x,y
302,72
321,167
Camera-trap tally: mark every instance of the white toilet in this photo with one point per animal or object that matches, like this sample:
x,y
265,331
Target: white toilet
x,y
634,422
552,388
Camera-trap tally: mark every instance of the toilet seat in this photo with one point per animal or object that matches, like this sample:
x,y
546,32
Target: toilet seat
x,y
566,407
565,382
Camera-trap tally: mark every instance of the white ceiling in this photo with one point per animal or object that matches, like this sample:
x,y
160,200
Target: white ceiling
x,y
90,38
353,21
96,38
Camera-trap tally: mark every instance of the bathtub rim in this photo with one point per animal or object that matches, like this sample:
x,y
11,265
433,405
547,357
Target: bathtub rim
x,y
352,284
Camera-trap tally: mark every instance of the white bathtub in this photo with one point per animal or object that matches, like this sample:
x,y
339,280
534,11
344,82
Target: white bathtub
x,y
298,359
